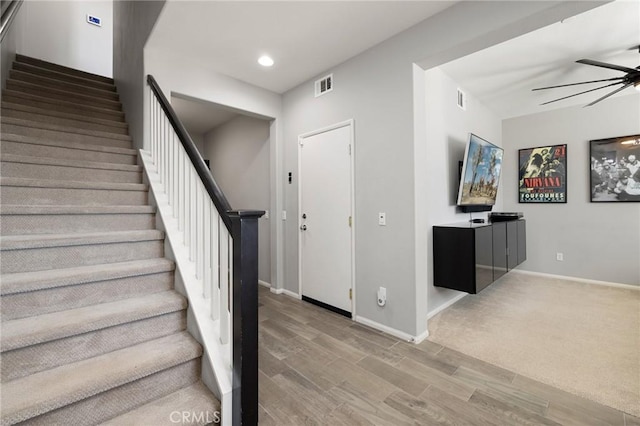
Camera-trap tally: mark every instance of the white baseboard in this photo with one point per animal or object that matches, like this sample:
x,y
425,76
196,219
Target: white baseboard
x,y
444,306
582,280
421,337
264,284
392,331
286,292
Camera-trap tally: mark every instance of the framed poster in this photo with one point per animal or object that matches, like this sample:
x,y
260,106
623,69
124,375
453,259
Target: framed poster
x,y
543,174
615,169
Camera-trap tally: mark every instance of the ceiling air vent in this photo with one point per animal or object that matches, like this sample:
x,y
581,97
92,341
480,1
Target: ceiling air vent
x,y
462,100
324,85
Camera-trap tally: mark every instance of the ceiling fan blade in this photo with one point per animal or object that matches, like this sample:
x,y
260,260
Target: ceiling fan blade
x,y
609,94
605,65
575,84
580,93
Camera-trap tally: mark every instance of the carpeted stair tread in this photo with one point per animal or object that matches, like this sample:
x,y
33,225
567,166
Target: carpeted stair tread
x,y
196,400
10,137
48,390
54,93
63,129
73,209
22,282
81,125
23,332
11,158
57,75
64,115
31,99
22,242
63,85
62,69
70,184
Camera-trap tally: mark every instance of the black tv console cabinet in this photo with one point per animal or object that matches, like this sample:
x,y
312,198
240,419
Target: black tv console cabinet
x,y
470,256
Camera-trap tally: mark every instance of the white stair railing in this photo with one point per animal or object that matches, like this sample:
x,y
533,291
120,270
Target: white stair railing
x,y
208,241
216,251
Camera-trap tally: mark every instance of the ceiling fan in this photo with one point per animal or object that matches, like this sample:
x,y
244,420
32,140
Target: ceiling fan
x,y
631,78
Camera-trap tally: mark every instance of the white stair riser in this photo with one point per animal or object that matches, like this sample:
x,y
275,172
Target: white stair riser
x,y
35,150
64,136
62,106
43,118
40,259
62,69
62,76
32,359
46,171
63,85
23,224
38,302
114,402
62,95
70,196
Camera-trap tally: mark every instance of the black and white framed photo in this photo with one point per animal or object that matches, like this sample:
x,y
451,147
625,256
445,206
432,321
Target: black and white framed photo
x,y
615,169
543,174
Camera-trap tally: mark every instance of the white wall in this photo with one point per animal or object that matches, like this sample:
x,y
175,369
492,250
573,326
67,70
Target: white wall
x,y
239,154
376,89
133,22
447,129
198,140
175,75
58,32
10,43
600,241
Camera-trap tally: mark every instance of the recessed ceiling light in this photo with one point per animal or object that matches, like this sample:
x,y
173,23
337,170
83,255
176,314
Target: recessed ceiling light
x,y
265,61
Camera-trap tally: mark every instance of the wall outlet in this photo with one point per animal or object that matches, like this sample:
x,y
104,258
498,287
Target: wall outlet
x,y
382,219
559,257
284,215
382,296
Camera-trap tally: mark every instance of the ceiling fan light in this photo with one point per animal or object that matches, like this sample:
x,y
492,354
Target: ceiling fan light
x,y
637,85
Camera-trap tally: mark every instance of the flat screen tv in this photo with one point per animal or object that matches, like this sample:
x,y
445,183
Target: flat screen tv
x,y
480,175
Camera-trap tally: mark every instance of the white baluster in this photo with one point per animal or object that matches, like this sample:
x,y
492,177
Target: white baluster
x,y
199,223
187,193
181,185
154,129
206,290
192,220
229,311
215,263
174,178
224,283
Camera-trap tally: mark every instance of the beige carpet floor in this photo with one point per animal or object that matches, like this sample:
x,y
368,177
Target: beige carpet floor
x,y
581,338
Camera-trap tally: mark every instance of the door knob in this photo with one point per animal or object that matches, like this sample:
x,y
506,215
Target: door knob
x,y
303,227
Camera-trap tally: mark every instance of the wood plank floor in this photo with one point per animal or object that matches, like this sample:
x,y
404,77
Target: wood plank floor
x,y
319,368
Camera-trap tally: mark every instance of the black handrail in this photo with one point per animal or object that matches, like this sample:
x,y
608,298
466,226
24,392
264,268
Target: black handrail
x,y
243,227
9,11
218,198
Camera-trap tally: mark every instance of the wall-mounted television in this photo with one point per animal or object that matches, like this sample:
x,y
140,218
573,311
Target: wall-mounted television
x,y
480,175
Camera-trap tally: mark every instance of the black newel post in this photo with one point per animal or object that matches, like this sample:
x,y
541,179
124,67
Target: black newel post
x,y
244,229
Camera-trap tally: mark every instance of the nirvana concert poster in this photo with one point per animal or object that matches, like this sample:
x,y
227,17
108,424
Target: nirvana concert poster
x,y
543,174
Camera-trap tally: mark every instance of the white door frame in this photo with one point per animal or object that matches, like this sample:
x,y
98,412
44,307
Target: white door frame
x,y
347,123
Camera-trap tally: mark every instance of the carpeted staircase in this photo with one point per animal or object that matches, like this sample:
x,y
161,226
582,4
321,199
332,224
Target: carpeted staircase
x,y
92,329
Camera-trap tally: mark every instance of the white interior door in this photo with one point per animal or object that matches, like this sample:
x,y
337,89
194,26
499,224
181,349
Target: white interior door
x,y
325,216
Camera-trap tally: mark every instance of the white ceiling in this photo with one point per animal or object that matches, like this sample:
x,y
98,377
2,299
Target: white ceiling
x,y
502,76
200,117
308,37
303,37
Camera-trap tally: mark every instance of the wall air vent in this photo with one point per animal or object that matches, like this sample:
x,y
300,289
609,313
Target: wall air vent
x,y
324,85
462,100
